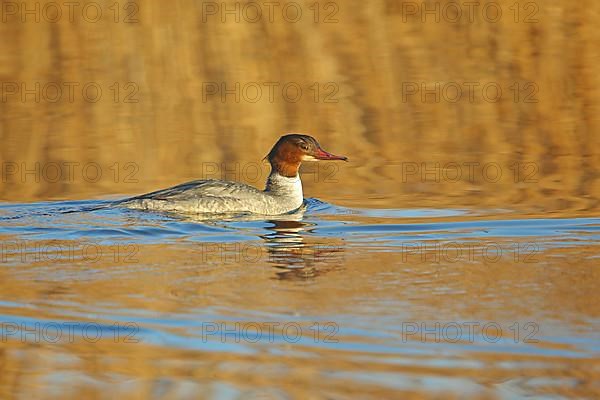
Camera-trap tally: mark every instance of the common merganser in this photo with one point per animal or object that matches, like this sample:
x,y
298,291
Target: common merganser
x,y
282,193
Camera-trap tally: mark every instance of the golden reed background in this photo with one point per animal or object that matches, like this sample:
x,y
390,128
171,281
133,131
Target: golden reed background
x,y
370,54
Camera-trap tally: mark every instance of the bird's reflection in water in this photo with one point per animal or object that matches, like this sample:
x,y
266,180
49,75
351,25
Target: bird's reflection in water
x,y
289,246
295,256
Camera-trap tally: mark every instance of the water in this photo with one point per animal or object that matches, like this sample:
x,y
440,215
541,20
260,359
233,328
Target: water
x,y
454,256
347,301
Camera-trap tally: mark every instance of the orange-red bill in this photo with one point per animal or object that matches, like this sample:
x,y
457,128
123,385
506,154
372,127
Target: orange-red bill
x,y
321,154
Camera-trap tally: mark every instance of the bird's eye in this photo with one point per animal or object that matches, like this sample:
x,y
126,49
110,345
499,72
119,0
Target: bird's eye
x,y
303,146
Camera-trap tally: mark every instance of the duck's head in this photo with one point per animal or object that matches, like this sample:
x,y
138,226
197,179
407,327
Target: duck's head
x,y
290,150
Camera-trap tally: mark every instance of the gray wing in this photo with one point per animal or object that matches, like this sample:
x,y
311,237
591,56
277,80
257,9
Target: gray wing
x,y
208,196
201,189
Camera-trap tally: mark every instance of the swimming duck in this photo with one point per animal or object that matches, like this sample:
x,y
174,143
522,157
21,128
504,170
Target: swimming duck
x,y
282,193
